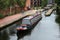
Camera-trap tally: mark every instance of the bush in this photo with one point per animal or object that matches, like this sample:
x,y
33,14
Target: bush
x,y
44,3
1,16
58,7
21,3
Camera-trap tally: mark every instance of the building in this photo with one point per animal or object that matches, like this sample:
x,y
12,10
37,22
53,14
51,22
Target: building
x,y
32,3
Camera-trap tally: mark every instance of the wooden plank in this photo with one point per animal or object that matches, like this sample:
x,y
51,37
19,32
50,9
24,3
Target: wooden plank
x,y
49,11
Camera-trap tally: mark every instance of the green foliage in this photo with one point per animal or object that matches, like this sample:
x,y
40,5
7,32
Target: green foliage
x,y
21,3
44,3
58,7
1,4
1,15
58,11
56,1
12,2
7,3
4,4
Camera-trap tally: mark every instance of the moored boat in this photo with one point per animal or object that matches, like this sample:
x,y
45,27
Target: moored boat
x,y
29,21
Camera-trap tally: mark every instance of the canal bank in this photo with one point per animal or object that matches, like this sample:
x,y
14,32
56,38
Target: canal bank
x,y
11,19
46,29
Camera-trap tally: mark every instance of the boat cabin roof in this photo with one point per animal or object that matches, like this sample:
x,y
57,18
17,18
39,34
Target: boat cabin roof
x,y
29,17
32,16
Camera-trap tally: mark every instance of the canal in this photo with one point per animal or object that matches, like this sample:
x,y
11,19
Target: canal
x,y
46,29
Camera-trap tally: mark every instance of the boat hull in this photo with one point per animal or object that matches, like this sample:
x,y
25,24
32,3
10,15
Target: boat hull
x,y
31,22
31,26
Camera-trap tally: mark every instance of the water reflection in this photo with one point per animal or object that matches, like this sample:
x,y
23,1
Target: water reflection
x,y
58,19
10,30
4,35
21,34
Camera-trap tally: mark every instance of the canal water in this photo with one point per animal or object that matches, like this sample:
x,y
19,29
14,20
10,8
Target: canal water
x,y
46,29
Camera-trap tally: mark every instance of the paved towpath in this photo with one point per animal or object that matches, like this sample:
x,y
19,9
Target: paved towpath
x,y
10,19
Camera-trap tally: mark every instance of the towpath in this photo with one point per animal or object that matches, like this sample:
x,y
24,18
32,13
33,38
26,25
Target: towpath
x,y
10,19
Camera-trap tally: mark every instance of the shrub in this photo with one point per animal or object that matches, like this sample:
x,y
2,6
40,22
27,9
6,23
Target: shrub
x,y
21,4
44,3
1,16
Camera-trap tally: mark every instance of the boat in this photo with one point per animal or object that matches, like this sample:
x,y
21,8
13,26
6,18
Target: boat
x,y
28,22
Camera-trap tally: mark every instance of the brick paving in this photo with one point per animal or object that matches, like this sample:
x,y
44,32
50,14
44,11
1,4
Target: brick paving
x,y
10,19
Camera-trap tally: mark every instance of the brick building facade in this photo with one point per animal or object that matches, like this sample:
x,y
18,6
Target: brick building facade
x,y
30,3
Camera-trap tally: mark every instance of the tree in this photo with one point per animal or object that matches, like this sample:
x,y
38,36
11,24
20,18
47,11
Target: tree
x,y
58,6
3,6
58,11
21,3
11,4
43,3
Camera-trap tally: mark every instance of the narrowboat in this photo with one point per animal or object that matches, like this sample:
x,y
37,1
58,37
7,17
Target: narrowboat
x,y
28,22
